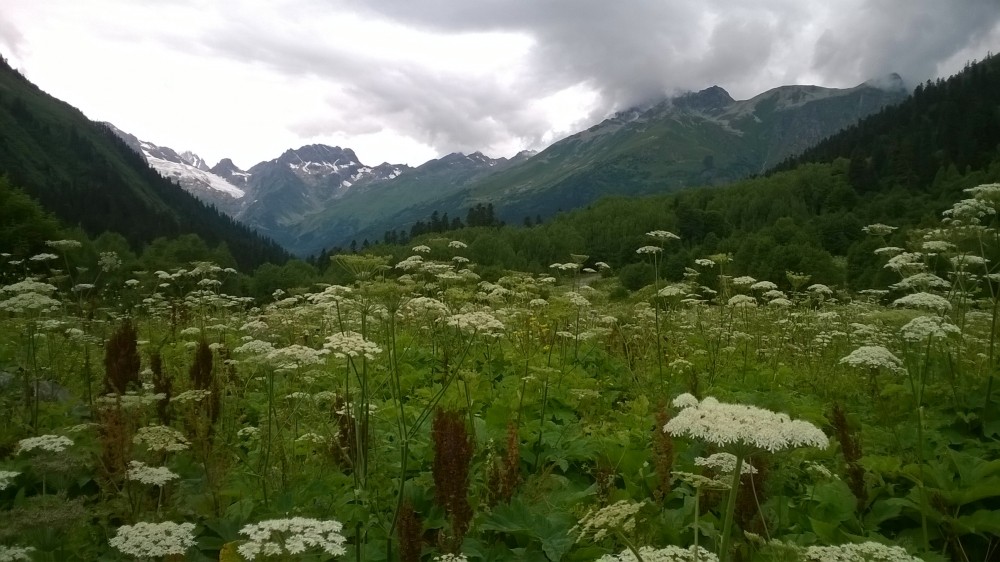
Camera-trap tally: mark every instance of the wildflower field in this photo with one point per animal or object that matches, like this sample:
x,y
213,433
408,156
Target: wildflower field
x,y
420,412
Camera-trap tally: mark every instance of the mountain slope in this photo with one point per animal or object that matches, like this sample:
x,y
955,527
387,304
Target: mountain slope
x,y
902,166
190,172
283,191
367,213
702,138
87,176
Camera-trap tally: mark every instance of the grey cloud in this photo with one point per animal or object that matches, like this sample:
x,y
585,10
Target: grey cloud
x,y
629,52
910,37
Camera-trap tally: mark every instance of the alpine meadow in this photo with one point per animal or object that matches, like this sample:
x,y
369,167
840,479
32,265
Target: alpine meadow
x,y
683,345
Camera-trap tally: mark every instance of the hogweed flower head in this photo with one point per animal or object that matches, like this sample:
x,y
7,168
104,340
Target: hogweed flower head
x,y
745,428
923,328
15,553
873,357
662,235
152,475
51,443
725,463
619,516
7,478
295,535
161,438
861,552
154,540
924,300
667,554
351,344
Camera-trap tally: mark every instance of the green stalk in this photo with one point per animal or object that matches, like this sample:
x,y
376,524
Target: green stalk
x,y
727,524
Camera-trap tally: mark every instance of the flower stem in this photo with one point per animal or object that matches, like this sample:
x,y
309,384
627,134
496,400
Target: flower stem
x,y
727,524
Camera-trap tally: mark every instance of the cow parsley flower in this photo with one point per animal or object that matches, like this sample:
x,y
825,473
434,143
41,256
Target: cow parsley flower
x,y
662,235
421,249
15,553
7,478
295,535
152,475
457,244
649,250
451,558
742,427
597,523
923,328
861,552
478,322
160,438
741,301
51,443
878,229
873,357
351,344
154,540
667,554
725,463
924,300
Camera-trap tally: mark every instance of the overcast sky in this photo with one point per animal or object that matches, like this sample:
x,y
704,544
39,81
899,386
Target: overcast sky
x,y
408,80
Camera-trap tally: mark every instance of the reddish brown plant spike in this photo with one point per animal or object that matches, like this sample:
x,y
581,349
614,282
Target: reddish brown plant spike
x,y
850,448
453,450
663,454
410,534
121,360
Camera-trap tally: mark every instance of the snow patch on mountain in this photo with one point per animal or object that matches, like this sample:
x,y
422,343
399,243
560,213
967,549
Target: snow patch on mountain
x,y
187,174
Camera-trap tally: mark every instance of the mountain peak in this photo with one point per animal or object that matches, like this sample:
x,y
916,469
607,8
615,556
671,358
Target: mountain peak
x,y
319,153
713,97
891,82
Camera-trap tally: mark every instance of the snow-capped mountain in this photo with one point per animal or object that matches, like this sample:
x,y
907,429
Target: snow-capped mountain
x,y
303,181
190,171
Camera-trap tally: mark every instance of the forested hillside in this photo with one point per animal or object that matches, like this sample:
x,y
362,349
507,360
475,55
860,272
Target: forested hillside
x,y
86,176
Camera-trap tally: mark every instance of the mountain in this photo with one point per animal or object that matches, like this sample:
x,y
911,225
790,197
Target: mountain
x,y
698,138
283,191
902,166
86,175
190,172
397,202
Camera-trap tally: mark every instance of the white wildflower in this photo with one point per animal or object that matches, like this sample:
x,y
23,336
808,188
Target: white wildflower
x,y
293,536
51,443
878,229
151,475
741,426
662,235
597,523
478,322
15,553
861,552
351,344
725,463
7,478
923,328
421,249
667,554
456,244
154,540
649,250
923,300
873,357
160,438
